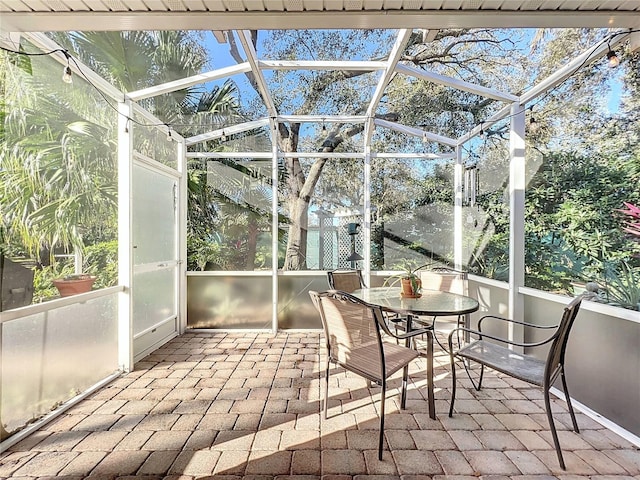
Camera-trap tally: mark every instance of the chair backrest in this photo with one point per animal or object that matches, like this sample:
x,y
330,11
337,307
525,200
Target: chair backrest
x,y
555,357
349,325
445,279
345,280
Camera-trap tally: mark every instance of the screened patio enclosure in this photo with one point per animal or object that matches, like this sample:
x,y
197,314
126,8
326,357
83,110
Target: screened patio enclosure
x,y
167,284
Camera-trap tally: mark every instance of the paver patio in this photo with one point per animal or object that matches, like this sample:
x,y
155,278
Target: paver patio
x,y
247,406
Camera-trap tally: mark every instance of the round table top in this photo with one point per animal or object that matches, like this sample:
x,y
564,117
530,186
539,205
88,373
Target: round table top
x,y
431,303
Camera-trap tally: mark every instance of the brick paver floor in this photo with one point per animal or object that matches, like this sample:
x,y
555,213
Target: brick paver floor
x,y
235,406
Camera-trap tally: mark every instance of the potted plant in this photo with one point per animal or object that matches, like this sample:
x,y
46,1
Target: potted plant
x,y
74,284
409,279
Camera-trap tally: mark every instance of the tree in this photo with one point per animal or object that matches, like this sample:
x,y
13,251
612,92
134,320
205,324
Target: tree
x,y
58,158
58,151
348,92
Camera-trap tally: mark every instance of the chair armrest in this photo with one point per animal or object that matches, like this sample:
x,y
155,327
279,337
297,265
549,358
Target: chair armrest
x,y
517,322
481,336
413,333
409,334
403,336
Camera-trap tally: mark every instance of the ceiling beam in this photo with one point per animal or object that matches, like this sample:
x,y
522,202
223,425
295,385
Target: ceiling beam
x,y
220,35
394,56
345,155
42,21
80,69
226,131
252,58
323,118
247,155
589,56
361,66
425,156
455,83
416,132
186,82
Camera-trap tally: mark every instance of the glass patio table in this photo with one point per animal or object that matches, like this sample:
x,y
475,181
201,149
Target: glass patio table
x,y
432,303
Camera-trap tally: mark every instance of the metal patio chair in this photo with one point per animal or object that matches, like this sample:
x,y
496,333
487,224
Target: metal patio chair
x,y
482,349
352,330
345,280
351,280
445,279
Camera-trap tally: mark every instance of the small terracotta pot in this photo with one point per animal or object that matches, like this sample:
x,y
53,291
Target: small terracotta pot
x,y
74,286
407,288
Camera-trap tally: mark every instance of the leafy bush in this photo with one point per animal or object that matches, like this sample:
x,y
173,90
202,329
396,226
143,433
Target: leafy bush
x,y
101,260
622,286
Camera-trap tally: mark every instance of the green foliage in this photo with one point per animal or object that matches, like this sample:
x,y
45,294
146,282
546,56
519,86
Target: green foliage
x,y
43,288
572,229
58,158
622,285
204,255
101,260
409,271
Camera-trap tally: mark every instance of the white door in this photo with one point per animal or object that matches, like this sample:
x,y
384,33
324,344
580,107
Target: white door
x,y
155,256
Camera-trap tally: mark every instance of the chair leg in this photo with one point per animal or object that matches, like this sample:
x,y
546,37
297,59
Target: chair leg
x,y
403,397
326,390
453,382
569,406
430,373
552,426
467,366
381,438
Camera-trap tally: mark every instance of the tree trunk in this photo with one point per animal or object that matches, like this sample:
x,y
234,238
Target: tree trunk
x,y
377,246
296,255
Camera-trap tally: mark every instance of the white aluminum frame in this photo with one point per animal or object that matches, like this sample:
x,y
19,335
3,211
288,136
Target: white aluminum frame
x,y
515,108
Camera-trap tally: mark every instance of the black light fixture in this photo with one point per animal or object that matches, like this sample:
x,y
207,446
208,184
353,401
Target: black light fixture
x,y
612,59
324,128
353,229
169,133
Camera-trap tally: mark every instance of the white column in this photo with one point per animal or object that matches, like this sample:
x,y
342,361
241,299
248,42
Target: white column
x,y
125,228
366,250
274,224
516,218
182,237
457,210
